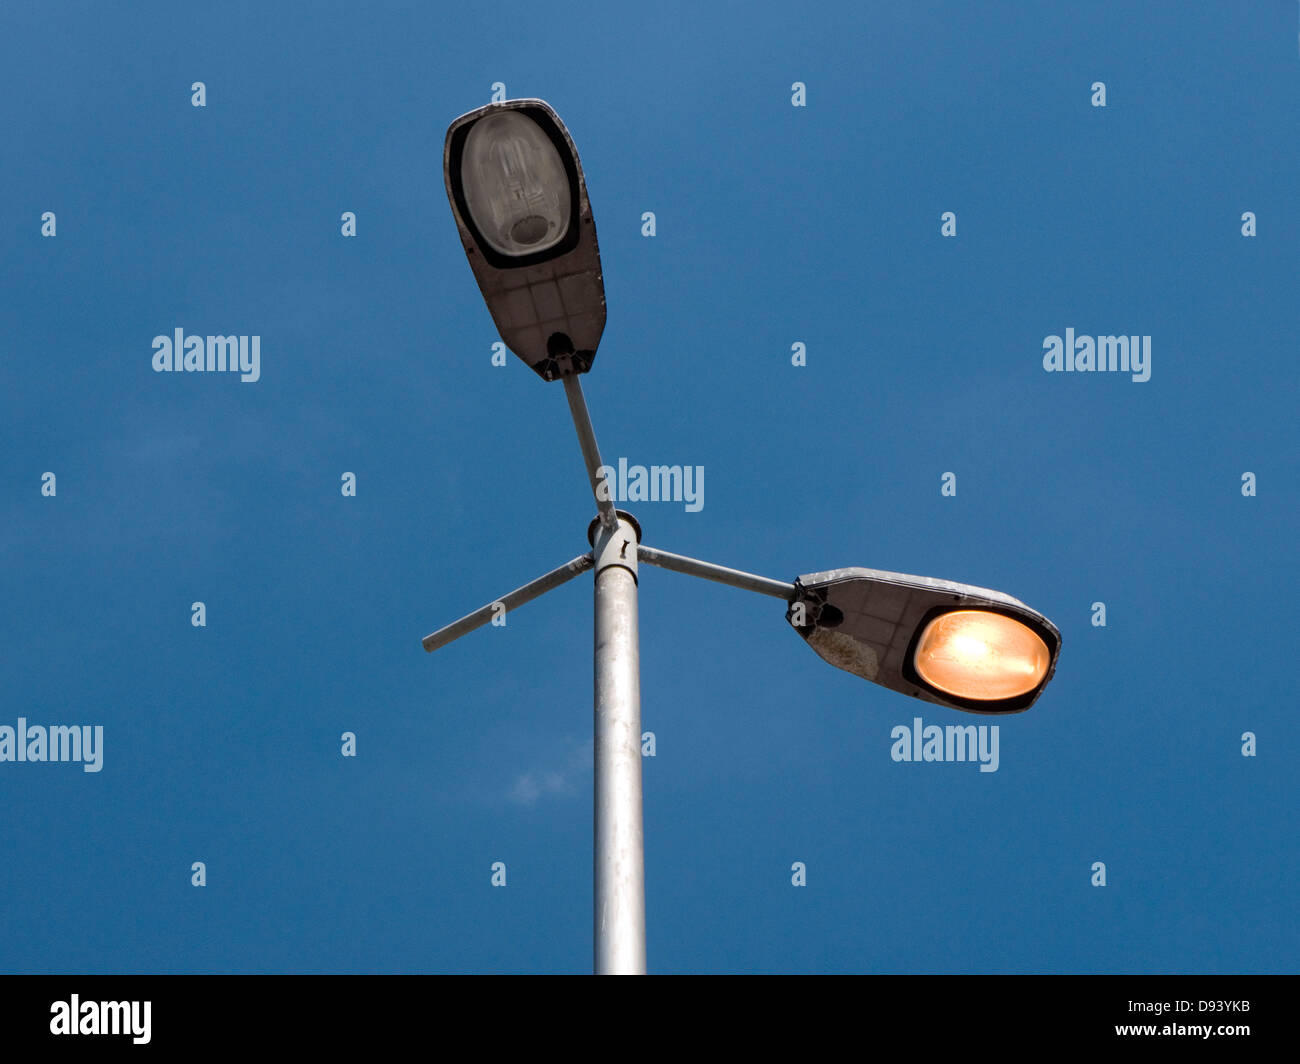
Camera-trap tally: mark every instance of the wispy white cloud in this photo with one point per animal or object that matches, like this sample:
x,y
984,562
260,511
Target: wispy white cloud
x,y
536,784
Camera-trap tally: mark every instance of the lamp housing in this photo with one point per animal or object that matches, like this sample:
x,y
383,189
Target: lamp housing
x,y
519,198
957,645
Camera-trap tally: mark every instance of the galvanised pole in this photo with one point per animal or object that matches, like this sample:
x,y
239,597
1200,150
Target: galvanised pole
x,y
619,872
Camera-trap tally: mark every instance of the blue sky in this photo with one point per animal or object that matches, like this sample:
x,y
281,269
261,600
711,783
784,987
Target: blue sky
x,y
775,225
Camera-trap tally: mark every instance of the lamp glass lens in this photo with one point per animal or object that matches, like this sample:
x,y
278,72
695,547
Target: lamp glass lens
x,y
981,655
515,184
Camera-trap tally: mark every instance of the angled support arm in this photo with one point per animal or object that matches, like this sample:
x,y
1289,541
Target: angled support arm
x,y
720,573
518,597
590,452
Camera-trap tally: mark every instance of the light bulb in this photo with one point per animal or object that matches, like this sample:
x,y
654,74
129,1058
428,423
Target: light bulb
x,y
981,655
515,184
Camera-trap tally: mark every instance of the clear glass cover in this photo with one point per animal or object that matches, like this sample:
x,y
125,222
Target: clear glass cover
x,y
515,184
981,655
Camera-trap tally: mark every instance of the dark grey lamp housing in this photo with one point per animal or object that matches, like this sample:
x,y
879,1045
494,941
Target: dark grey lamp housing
x,y
519,198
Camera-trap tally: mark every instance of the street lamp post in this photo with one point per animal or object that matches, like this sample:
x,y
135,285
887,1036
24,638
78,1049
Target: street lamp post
x,y
519,198
619,876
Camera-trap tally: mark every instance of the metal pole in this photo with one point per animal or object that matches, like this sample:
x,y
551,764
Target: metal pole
x,y
619,873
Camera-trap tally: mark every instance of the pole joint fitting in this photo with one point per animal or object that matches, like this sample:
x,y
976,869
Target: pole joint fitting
x,y
615,547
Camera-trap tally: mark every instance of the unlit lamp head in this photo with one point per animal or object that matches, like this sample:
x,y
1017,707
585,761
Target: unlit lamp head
x,y
519,198
957,645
